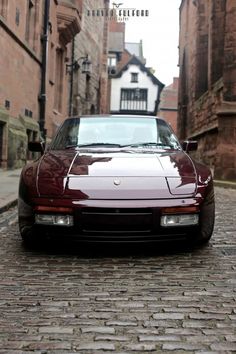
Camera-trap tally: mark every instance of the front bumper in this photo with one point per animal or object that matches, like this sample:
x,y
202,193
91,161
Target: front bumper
x,y
118,221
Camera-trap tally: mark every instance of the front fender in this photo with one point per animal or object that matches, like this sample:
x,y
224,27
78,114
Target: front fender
x,y
28,182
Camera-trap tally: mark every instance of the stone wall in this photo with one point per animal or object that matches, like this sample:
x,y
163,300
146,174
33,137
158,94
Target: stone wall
x,y
207,87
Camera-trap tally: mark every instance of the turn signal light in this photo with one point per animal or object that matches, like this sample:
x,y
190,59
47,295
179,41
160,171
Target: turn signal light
x,y
180,210
52,209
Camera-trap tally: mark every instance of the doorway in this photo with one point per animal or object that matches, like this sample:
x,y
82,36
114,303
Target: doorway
x,y
1,142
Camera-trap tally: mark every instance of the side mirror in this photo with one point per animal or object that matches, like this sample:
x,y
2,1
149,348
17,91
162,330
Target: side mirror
x,y
189,145
36,146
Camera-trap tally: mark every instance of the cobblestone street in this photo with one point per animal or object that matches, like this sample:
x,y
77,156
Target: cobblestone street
x,y
84,300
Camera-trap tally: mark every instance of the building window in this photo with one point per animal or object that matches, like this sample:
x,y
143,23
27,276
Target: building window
x,y
3,8
202,44
30,23
134,77
32,136
7,104
217,40
17,17
59,80
87,88
183,100
133,100
111,61
52,64
28,113
2,129
202,66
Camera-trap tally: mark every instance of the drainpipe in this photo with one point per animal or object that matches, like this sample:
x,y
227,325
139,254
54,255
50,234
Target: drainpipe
x,y
72,78
43,96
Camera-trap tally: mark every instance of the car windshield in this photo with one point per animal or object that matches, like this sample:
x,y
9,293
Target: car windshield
x,y
115,132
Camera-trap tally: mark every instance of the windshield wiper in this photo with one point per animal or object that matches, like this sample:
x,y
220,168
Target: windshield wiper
x,y
71,146
91,145
99,144
148,144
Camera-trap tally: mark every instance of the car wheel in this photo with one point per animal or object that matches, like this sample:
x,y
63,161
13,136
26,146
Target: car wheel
x,y
207,220
26,222
26,232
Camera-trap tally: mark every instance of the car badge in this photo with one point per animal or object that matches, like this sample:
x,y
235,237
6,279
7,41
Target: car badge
x,y
116,182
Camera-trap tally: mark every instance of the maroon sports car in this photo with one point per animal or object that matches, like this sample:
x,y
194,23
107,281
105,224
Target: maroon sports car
x,y
117,179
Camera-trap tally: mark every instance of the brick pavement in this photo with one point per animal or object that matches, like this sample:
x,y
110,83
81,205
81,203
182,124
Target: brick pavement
x,y
95,300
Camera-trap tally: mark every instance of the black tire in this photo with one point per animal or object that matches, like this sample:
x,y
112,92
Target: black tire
x,y
26,223
207,220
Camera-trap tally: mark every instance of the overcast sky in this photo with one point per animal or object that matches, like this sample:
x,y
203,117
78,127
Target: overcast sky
x,y
159,33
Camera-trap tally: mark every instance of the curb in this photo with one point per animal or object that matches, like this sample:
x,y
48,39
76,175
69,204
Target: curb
x,y
224,184
8,205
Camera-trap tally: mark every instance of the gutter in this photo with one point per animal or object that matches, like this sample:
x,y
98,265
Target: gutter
x,y
43,95
72,78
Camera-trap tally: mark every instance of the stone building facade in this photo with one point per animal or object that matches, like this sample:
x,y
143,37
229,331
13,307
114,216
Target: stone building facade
x,y
19,80
23,68
89,92
133,87
65,22
207,87
35,80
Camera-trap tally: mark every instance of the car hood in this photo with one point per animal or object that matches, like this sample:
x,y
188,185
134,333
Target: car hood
x,y
116,174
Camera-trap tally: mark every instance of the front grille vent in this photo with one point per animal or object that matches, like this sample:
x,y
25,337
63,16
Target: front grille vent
x,y
117,220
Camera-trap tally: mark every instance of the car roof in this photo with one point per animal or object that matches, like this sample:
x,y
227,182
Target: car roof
x,y
116,116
